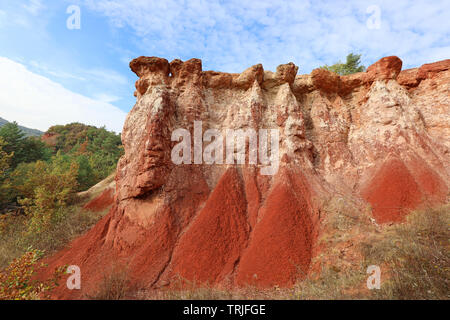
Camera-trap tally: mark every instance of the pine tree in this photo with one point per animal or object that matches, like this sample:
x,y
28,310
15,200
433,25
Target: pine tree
x,y
352,65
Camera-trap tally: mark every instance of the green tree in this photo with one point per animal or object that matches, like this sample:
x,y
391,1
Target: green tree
x,y
49,187
85,176
352,65
102,149
25,149
5,186
36,150
14,142
5,159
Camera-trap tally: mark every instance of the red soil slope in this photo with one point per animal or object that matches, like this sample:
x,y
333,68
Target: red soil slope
x,y
395,189
101,202
433,187
88,253
280,248
210,247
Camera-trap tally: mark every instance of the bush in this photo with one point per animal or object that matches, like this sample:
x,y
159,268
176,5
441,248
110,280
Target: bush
x,y
48,188
114,286
17,283
352,65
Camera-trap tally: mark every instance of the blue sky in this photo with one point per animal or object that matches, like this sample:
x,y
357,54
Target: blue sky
x,y
50,74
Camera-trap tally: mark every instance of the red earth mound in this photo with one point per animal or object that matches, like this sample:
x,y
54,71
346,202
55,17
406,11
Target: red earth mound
x,y
280,246
395,189
101,202
144,251
209,249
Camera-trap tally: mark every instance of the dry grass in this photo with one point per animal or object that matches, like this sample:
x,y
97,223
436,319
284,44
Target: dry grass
x,y
114,286
413,256
14,241
11,229
416,254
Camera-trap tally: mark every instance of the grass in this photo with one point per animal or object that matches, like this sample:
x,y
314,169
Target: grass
x,y
20,250
115,285
416,254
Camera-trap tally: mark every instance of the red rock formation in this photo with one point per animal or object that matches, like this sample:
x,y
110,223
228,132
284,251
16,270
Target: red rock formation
x,y
412,77
386,68
381,136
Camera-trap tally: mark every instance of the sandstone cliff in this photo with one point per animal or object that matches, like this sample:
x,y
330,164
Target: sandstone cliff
x,y
381,137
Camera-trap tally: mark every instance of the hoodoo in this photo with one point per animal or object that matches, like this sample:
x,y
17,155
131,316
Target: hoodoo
x,y
381,136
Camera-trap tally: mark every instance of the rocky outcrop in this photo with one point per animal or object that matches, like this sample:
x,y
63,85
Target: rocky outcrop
x,y
381,136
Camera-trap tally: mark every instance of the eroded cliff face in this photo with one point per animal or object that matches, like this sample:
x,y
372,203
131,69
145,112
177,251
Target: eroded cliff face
x,y
381,136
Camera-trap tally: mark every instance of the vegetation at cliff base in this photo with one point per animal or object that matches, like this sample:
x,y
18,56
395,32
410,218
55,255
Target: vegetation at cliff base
x,y
39,181
17,280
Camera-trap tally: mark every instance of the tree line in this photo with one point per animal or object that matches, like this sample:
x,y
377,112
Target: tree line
x,y
43,178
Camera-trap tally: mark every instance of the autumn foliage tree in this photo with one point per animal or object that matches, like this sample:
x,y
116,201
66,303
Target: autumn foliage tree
x,y
47,194
96,150
17,281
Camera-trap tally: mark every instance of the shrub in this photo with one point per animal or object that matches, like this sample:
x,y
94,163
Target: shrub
x,y
352,65
114,286
48,188
17,283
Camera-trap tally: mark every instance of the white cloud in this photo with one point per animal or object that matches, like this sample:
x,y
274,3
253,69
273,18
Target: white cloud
x,y
33,6
105,97
104,76
37,102
107,76
58,74
231,35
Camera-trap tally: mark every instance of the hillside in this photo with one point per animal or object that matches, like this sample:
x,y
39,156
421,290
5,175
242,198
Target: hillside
x,y
28,132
